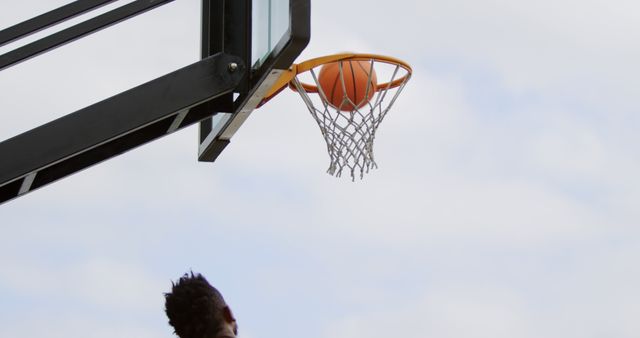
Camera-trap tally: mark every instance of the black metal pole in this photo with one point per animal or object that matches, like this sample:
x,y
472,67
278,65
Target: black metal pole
x,y
75,32
211,42
49,19
226,27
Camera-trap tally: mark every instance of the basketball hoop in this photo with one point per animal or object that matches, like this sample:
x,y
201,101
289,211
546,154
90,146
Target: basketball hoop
x,y
345,95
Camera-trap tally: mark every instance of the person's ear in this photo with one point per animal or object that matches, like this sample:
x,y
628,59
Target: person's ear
x,y
228,315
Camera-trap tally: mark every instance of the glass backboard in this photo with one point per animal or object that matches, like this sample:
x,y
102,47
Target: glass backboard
x,y
269,24
280,30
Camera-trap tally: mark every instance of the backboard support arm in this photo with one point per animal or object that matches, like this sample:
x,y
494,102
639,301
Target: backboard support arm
x,y
118,124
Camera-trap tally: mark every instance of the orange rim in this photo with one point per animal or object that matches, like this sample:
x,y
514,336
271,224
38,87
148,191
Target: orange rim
x,y
313,63
295,69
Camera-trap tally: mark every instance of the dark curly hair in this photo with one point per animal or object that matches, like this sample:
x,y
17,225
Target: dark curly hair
x,y
194,307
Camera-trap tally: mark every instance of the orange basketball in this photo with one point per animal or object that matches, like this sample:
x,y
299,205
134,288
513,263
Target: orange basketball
x,y
355,91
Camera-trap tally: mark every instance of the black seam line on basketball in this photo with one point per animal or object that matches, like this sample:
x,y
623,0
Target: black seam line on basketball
x,y
369,81
343,84
345,91
333,89
353,82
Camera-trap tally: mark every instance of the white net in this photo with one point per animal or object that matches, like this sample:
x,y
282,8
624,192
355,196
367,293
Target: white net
x,y
348,121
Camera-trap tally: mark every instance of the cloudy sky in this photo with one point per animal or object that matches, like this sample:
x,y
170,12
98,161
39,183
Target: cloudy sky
x,y
505,205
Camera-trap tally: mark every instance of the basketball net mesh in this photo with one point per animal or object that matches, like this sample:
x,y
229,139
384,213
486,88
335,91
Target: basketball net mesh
x,y
349,135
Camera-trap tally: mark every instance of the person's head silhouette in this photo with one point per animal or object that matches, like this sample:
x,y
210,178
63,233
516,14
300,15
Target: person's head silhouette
x,y
197,310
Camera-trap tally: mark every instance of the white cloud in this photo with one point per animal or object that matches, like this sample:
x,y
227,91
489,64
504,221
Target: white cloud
x,y
94,281
449,312
567,50
574,289
78,324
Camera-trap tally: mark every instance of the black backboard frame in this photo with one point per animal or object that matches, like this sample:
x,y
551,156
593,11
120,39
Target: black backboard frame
x,y
235,38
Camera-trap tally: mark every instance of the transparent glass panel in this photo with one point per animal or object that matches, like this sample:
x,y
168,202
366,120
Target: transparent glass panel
x,y
270,22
